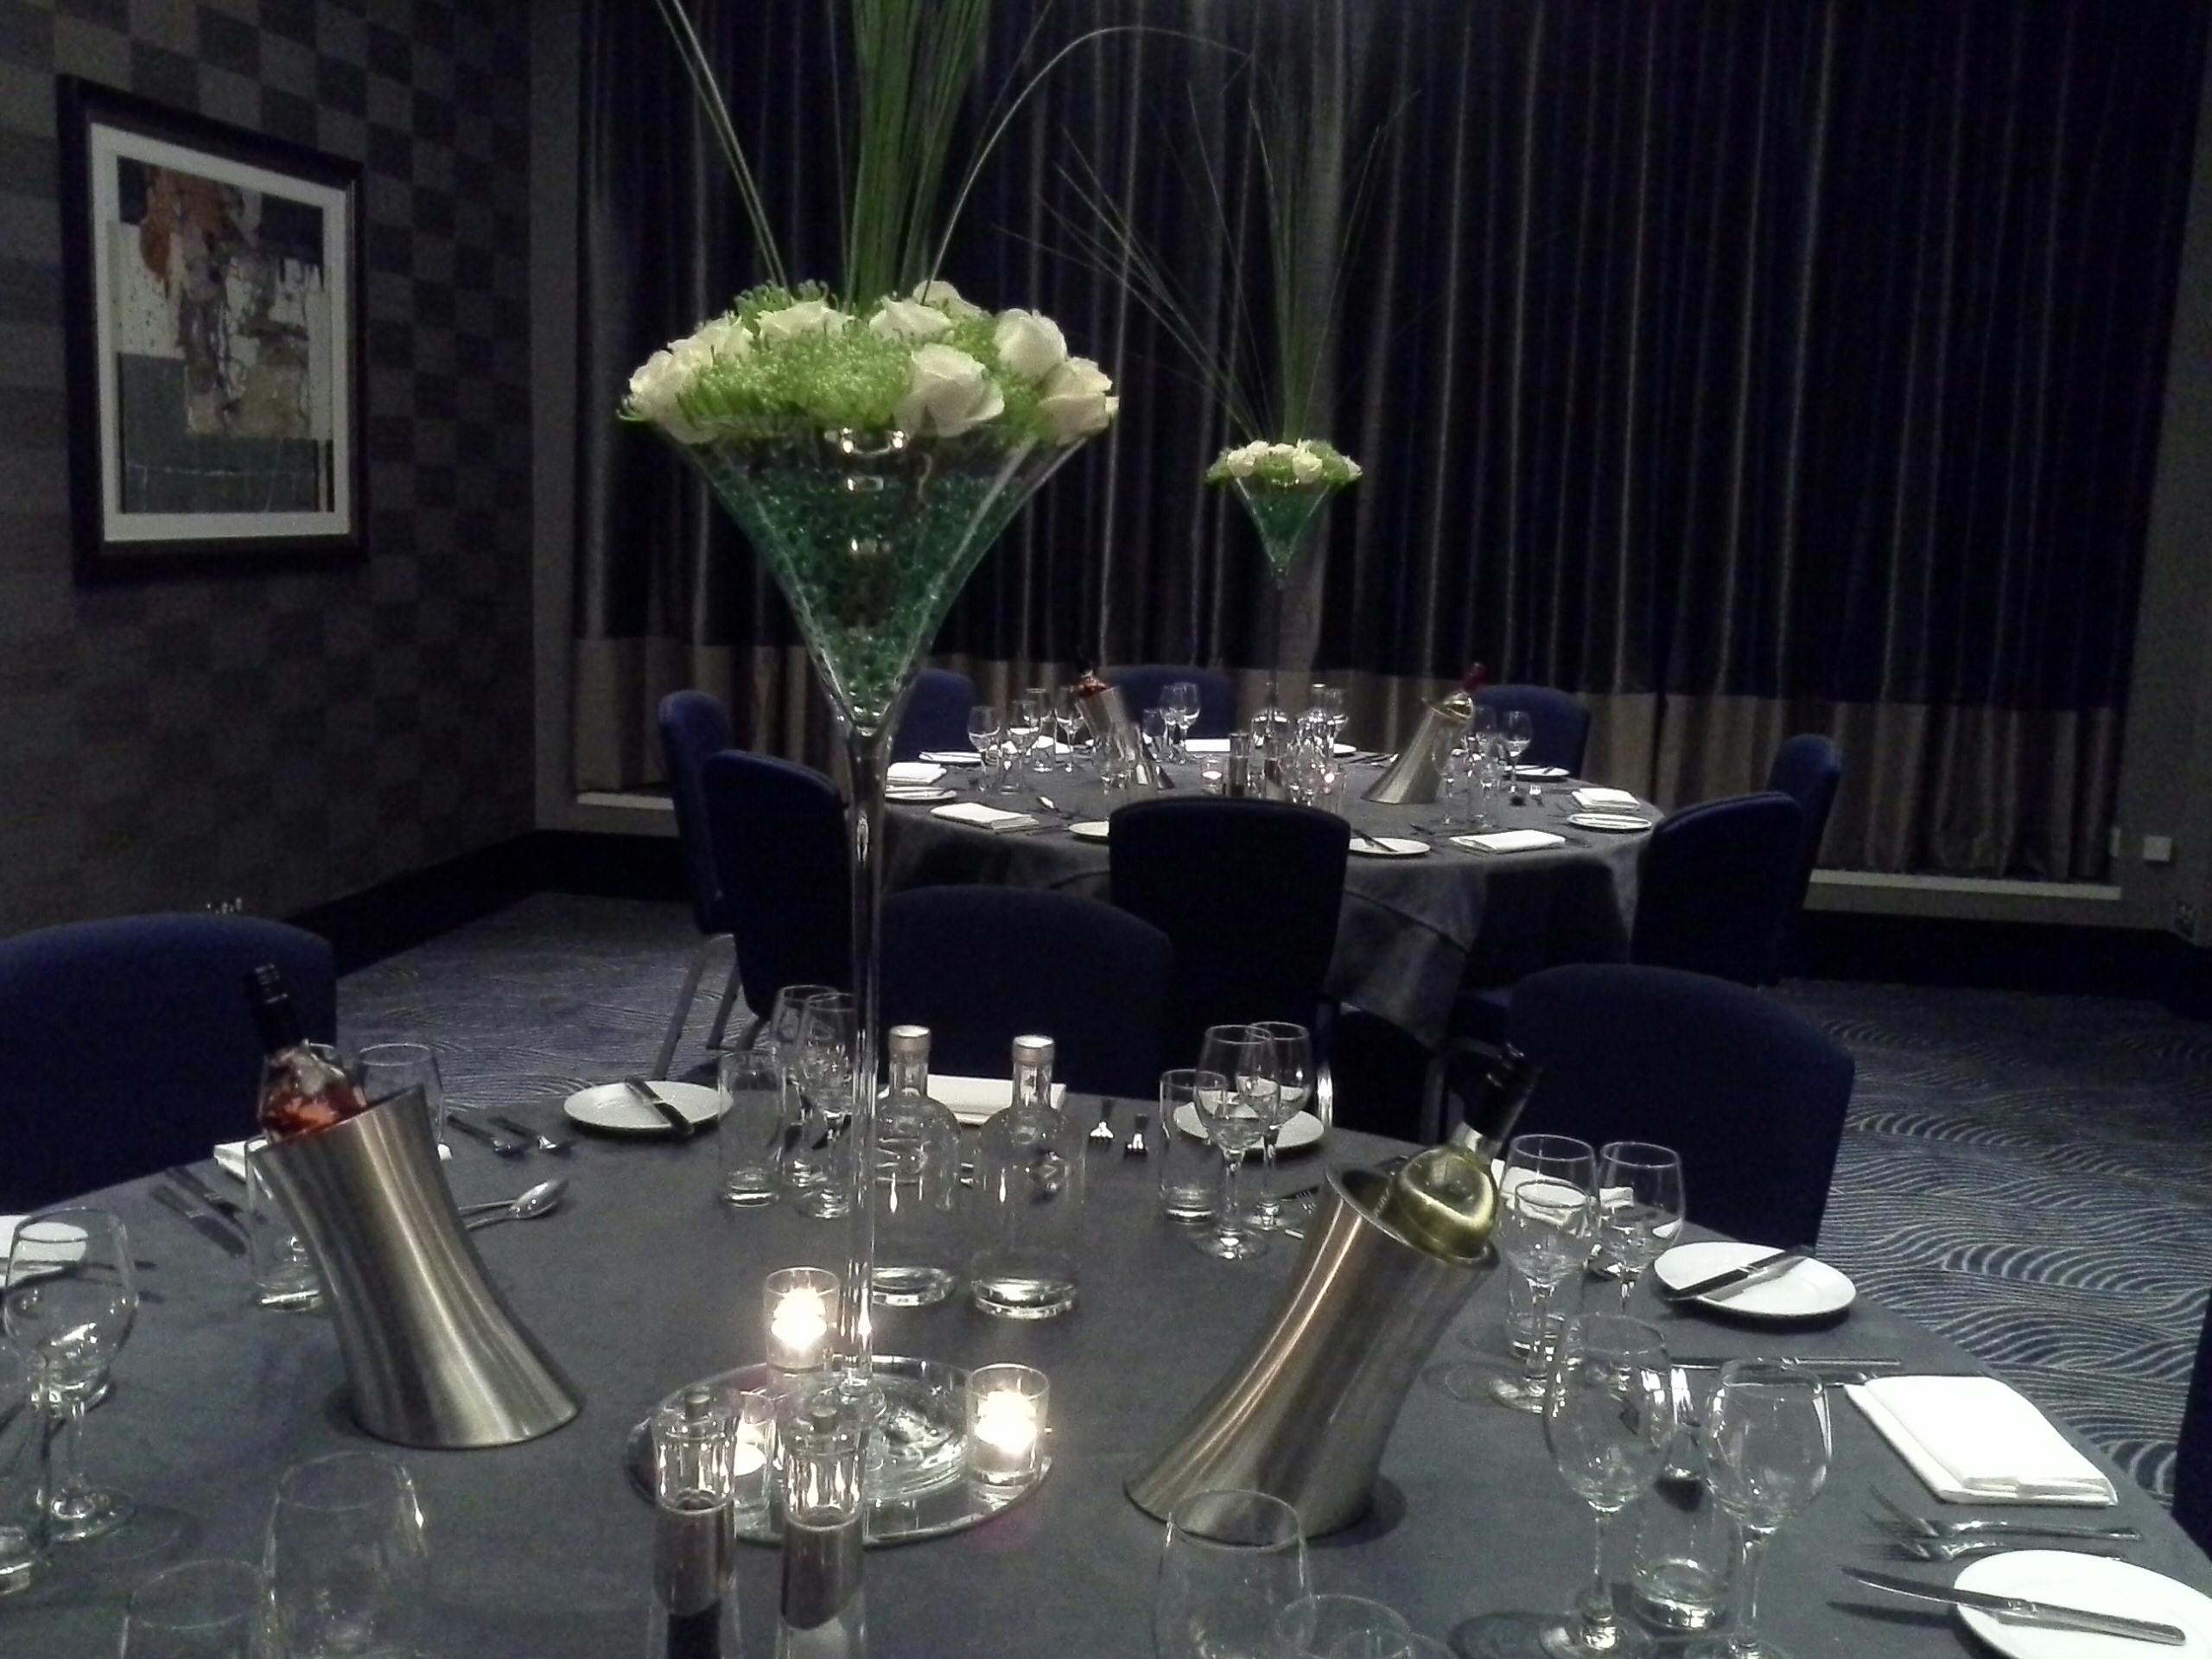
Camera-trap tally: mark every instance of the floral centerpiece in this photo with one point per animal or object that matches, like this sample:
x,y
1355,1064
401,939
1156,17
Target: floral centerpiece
x,y
872,441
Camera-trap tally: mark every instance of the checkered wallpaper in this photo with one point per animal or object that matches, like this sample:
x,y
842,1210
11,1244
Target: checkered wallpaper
x,y
285,739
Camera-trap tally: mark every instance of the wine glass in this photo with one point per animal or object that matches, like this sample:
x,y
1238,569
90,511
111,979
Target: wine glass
x,y
197,1610
1639,1208
345,1561
1458,763
1548,1216
825,1086
779,1035
1482,725
1067,716
1154,728
1182,706
1520,731
382,1069
1330,701
1294,1087
72,1295
1767,1443
1608,1417
1022,726
983,729
1342,1627
1235,1119
1230,1559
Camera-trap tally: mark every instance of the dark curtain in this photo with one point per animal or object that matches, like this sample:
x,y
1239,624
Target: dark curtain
x,y
1744,369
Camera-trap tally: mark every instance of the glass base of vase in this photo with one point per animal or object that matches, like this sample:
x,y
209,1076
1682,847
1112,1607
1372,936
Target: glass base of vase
x,y
917,1483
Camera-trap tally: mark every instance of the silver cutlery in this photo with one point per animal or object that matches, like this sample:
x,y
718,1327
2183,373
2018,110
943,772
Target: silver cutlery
x,y
1824,1364
554,1188
1050,805
1134,1147
1920,1525
192,1182
643,1091
2021,1610
540,1200
1758,1267
537,1138
204,1223
1967,1549
1101,1132
476,1131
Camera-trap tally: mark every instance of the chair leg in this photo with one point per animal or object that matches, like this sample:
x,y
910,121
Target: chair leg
x,y
729,998
676,1020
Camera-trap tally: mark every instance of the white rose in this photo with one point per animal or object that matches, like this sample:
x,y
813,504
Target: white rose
x,y
802,318
1282,452
1352,468
947,393
1252,454
725,337
1073,400
1030,345
1305,467
943,296
653,392
1237,464
908,320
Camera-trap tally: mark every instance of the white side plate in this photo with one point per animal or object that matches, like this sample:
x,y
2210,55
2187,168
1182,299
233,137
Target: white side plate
x,y
613,1109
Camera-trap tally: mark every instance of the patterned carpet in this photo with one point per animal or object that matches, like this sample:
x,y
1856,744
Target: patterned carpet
x,y
2030,1175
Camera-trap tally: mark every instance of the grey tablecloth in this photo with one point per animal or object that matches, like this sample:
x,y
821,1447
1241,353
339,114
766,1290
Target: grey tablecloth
x,y
642,1282
1411,929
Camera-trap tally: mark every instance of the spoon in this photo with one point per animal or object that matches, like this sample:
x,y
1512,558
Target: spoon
x,y
536,1202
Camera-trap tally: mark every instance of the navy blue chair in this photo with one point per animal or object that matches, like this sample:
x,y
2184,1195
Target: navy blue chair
x,y
981,966
1141,688
2193,1459
778,833
127,1045
693,726
1561,722
1751,1093
1807,768
1717,885
1248,891
936,716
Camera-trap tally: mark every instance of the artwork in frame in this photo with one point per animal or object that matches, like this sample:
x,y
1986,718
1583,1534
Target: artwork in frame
x,y
211,297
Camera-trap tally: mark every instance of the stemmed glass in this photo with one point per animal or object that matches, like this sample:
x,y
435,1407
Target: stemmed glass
x,y
1342,1627
780,1036
1235,1119
1520,732
347,1562
72,1295
384,1069
1608,1418
1548,1216
1180,701
825,1083
1230,1561
1030,713
197,1610
1639,1208
1155,727
1067,716
1294,1087
1329,701
1767,1443
983,729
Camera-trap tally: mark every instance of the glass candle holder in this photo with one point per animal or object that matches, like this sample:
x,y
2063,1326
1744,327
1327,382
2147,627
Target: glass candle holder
x,y
753,1455
800,1304
1006,1423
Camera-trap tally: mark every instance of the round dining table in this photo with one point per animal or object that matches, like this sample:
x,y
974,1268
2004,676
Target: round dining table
x,y
1412,929
642,1281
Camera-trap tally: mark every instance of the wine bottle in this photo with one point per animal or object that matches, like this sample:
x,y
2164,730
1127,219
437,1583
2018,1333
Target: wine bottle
x,y
1495,1107
1444,1200
302,1087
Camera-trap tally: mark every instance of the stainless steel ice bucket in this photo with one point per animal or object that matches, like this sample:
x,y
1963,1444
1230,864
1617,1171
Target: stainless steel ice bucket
x,y
1111,729
1306,1414
434,1355
1416,776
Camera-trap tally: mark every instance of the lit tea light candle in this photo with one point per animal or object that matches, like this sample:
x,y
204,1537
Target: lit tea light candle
x,y
1006,1423
752,1454
801,1305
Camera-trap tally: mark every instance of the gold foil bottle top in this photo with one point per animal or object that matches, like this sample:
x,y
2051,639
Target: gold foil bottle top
x,y
1444,1200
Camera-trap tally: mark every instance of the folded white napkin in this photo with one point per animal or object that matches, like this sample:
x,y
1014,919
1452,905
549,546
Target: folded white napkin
x,y
914,774
1539,771
1605,798
1207,746
1974,1440
1510,841
983,818
972,1099
951,757
230,1156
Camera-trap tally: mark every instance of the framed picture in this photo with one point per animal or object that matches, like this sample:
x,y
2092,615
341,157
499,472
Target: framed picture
x,y
211,297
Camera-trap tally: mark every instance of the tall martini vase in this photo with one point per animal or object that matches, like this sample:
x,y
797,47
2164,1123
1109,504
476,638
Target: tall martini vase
x,y
870,536
1285,515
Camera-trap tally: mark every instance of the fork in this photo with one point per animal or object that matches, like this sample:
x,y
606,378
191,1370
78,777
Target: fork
x,y
544,1141
1920,1525
476,1131
1101,1132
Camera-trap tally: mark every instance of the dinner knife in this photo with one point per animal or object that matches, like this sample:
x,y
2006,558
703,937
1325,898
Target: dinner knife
x,y
1713,1281
1824,1364
2021,1610
643,1091
191,1180
209,1227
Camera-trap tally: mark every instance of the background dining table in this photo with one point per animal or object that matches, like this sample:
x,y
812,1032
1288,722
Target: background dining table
x,y
1412,929
642,1281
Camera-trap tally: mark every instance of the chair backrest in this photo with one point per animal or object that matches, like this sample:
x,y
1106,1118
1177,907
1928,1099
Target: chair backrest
x,y
1142,687
937,714
1750,1092
2193,1460
1807,768
1248,891
778,833
693,726
129,1044
1717,887
1561,722
981,966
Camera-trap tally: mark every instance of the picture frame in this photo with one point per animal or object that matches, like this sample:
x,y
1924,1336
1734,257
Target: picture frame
x,y
212,309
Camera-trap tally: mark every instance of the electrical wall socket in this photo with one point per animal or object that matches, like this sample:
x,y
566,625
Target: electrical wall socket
x,y
2158,849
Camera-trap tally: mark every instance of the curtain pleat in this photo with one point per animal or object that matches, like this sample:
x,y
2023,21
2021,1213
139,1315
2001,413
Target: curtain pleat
x,y
1744,370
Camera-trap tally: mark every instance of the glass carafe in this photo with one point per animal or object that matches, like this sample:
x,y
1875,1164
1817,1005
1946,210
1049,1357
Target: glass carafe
x,y
916,1182
1029,1197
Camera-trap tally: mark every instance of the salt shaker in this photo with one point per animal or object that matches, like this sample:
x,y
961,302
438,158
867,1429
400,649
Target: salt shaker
x,y
823,1609
695,1586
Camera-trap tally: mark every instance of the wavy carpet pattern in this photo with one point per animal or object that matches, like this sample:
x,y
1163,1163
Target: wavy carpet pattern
x,y
2031,1175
